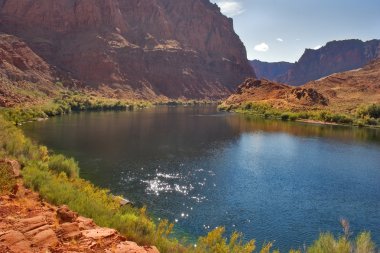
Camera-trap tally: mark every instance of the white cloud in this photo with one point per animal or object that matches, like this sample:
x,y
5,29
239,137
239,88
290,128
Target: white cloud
x,y
298,39
280,40
317,47
262,47
230,8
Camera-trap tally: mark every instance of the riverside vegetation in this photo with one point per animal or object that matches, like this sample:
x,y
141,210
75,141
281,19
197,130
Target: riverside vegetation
x,y
56,179
69,102
364,115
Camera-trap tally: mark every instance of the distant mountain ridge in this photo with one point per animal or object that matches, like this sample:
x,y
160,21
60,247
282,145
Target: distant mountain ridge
x,y
334,57
270,70
137,48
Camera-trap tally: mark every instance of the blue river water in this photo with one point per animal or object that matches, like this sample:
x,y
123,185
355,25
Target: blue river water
x,y
283,182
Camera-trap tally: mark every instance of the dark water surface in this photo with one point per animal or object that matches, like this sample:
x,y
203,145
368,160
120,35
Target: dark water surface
x,y
271,180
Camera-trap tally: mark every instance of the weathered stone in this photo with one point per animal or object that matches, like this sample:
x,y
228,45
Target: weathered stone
x,y
46,238
85,223
37,230
15,241
99,233
132,247
42,232
64,214
69,231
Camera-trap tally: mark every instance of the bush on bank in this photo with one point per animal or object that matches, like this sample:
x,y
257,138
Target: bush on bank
x,y
66,104
365,116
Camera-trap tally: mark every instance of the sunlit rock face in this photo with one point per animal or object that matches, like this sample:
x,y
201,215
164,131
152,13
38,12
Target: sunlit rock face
x,y
143,48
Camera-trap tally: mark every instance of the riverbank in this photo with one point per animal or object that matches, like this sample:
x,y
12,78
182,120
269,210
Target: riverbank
x,y
55,178
364,116
30,224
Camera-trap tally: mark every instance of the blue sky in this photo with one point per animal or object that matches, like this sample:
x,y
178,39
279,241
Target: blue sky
x,y
280,30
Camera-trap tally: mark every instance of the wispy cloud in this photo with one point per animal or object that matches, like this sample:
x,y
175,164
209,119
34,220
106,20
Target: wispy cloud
x,y
262,47
280,40
230,8
317,47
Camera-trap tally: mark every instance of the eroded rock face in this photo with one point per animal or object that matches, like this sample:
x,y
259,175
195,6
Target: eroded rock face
x,y
21,69
276,94
19,62
341,93
29,225
334,57
150,48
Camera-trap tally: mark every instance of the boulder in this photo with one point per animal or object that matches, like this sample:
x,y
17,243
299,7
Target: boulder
x,y
45,239
15,241
99,233
64,214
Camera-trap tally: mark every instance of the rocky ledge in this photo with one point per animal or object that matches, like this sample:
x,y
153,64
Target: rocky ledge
x,y
29,224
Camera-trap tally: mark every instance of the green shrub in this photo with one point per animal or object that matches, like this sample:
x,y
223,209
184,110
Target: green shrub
x,y
293,117
15,145
60,163
364,243
7,181
285,116
374,111
371,111
215,242
327,243
371,121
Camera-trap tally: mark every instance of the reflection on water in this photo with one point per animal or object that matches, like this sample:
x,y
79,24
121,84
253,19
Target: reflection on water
x,y
271,180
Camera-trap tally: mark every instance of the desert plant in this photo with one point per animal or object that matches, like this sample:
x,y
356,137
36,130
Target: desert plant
x,y
60,163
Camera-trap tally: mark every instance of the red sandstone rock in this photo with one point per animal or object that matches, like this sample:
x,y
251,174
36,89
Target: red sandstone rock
x,y
46,238
140,48
37,229
64,214
98,233
15,241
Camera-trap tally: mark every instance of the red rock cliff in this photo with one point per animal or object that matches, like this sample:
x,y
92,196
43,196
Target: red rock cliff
x,y
334,57
182,48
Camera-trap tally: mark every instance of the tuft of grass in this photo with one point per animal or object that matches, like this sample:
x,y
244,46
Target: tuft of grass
x,y
60,163
216,242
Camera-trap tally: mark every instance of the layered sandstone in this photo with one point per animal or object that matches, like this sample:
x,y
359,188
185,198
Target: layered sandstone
x,y
30,225
24,76
140,48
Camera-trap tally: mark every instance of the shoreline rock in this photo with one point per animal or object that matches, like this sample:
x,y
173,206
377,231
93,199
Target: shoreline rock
x,y
28,224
